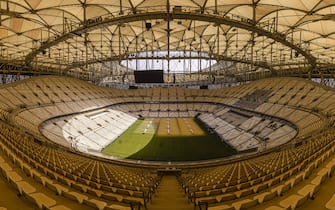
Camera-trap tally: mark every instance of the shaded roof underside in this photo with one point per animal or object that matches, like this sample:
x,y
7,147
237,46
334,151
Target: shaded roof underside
x,y
29,29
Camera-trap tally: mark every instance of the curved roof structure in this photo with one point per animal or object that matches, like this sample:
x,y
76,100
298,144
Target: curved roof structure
x,y
79,36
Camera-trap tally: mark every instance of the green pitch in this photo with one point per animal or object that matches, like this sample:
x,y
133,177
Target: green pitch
x,y
142,142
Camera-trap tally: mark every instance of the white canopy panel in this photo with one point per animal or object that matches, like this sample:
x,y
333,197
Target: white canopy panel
x,y
72,35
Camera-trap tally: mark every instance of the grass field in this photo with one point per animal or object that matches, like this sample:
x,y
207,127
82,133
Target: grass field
x,y
168,139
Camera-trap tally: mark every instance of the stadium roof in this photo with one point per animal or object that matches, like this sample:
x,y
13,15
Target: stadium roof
x,y
74,35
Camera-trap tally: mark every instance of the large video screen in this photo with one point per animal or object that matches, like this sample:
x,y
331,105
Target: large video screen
x,y
149,76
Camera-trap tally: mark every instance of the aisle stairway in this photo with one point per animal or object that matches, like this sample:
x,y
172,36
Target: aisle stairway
x,y
169,196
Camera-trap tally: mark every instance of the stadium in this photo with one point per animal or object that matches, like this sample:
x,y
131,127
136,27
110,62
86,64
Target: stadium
x,y
167,105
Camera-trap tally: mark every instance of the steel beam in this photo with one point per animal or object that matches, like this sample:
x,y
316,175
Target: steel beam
x,y
220,57
92,25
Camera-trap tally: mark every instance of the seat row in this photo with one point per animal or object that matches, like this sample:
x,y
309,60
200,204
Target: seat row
x,y
245,178
74,173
